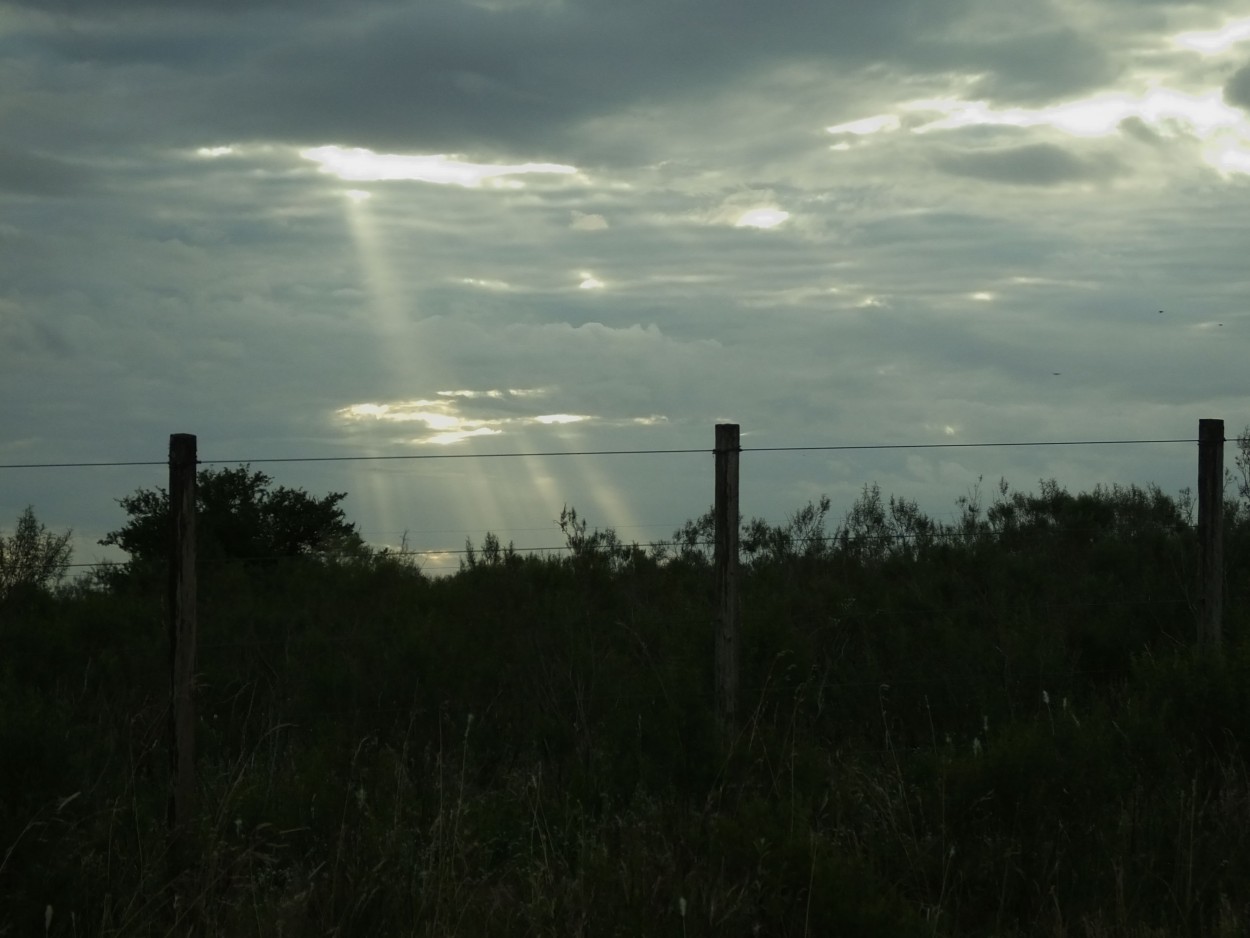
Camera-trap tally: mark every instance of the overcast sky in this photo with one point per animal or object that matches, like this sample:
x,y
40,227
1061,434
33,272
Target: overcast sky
x,y
329,228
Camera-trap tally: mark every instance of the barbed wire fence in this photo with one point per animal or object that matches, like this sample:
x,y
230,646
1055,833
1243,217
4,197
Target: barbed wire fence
x,y
557,548
435,560
724,544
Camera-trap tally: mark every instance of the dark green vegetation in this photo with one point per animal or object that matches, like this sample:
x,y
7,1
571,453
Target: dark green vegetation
x,y
994,726
32,558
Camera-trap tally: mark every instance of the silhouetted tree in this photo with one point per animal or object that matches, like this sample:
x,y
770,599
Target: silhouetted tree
x,y
240,515
32,558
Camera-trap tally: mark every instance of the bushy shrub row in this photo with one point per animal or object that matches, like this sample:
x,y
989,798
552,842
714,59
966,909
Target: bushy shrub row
x,y
997,725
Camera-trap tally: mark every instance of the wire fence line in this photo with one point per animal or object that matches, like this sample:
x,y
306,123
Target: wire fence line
x,y
600,452
945,531
856,540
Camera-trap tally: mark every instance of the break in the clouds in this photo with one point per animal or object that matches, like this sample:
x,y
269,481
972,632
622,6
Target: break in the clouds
x,y
532,226
357,164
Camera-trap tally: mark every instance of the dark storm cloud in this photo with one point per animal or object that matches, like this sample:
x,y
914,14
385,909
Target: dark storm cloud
x,y
1034,164
131,45
1036,67
88,9
26,334
512,81
242,293
440,77
449,76
1237,89
27,173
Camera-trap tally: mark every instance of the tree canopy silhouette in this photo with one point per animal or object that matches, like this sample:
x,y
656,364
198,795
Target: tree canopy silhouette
x,y
32,558
239,515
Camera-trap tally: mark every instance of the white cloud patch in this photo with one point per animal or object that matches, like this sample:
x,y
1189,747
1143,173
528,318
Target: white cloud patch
x,y
356,164
1222,130
1063,167
560,418
1095,116
1213,42
443,424
583,221
454,416
768,217
486,283
868,125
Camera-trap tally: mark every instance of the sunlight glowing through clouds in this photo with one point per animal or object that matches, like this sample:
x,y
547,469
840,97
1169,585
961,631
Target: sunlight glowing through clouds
x,y
485,284
1224,130
560,418
357,164
1231,160
1091,117
444,418
869,125
439,418
1220,40
495,394
761,218
588,222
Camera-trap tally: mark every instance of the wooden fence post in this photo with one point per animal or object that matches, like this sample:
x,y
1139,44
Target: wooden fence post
x,y
182,466
726,559
1210,531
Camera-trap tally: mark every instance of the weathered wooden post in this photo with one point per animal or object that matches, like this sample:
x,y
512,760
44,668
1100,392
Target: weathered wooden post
x,y
182,465
1211,531
726,516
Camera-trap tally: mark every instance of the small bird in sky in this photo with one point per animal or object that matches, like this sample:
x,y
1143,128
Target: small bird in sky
x,y
1056,372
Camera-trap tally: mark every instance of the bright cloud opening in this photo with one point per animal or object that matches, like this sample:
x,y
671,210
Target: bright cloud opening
x,y
494,393
761,218
560,418
1229,160
1097,116
439,417
356,164
456,415
588,222
486,284
1224,130
456,436
590,282
1216,41
868,125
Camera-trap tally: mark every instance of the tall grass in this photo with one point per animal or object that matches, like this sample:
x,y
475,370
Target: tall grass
x,y
965,737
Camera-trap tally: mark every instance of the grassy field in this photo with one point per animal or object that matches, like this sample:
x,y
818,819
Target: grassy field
x,y
999,726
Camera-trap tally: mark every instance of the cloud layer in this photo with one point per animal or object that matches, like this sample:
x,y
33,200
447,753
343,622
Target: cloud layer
x,y
573,225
